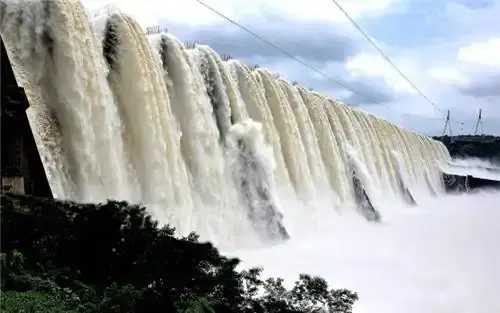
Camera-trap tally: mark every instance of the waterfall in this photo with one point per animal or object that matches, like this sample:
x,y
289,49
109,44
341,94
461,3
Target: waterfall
x,y
207,144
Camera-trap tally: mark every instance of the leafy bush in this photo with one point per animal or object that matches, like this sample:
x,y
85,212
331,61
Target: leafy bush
x,y
113,258
480,146
32,302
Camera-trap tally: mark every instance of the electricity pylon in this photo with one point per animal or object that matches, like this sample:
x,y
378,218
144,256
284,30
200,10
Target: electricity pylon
x,y
447,125
479,123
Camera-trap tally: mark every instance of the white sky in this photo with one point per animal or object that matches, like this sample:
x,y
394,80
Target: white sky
x,y
191,12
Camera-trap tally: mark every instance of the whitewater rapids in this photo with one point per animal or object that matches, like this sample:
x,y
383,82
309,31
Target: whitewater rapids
x,y
443,257
242,157
208,145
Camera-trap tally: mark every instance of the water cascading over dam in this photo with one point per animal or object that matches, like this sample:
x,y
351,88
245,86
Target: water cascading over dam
x,y
208,145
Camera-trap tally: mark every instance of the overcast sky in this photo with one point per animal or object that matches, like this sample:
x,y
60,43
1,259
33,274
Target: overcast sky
x,y
450,49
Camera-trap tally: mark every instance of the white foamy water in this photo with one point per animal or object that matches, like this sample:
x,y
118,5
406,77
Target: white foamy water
x,y
476,167
442,256
239,156
208,145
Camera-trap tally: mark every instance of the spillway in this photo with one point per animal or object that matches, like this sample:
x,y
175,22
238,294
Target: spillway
x,y
207,144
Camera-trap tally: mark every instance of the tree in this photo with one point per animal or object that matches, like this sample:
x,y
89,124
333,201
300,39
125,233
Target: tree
x,y
480,146
113,257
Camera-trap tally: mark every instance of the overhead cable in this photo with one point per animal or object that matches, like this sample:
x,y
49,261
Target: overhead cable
x,y
288,54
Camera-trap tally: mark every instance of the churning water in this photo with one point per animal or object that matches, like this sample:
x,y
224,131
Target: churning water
x,y
440,257
245,158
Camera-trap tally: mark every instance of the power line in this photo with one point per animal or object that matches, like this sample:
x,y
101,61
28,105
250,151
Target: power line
x,y
365,35
269,43
356,25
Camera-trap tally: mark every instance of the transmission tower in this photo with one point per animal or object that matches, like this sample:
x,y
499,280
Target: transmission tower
x,y
479,123
447,124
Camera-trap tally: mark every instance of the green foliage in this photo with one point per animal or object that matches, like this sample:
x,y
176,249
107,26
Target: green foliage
x,y
479,146
310,294
114,258
32,302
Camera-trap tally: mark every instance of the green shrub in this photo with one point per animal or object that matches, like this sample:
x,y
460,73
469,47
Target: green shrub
x,y
114,258
32,302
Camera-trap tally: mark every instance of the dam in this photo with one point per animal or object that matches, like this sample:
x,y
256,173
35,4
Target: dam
x,y
207,144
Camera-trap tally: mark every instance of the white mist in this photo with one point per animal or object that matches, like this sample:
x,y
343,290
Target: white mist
x,y
442,256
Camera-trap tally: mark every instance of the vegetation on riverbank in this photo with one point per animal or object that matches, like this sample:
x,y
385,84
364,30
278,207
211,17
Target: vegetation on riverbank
x,y
65,257
478,146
